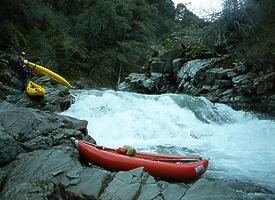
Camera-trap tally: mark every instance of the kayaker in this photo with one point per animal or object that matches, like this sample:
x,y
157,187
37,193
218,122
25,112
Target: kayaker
x,y
22,70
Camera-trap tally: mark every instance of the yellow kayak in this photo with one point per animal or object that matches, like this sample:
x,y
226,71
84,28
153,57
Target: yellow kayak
x,y
34,89
44,71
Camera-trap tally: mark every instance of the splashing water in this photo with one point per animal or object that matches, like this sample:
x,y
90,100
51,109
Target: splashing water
x,y
239,145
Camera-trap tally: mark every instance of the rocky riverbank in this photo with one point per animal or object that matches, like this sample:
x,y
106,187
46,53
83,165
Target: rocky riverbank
x,y
210,73
39,161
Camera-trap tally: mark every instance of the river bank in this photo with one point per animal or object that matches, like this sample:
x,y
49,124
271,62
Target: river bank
x,y
220,77
38,161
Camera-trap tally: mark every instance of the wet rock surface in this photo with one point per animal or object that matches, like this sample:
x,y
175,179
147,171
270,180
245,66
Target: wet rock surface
x,y
155,84
23,130
220,79
39,161
56,99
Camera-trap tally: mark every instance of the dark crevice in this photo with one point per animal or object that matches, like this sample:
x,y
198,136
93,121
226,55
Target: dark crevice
x,y
61,193
105,184
142,183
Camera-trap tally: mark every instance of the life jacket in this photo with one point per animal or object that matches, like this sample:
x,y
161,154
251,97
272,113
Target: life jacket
x,y
21,66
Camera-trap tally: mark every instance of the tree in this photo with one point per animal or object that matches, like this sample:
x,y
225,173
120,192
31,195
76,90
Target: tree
x,y
101,39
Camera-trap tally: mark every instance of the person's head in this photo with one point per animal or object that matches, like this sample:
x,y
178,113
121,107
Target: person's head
x,y
23,53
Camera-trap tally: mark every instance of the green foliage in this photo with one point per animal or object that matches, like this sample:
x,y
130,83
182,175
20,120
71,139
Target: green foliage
x,y
92,38
166,7
243,17
245,29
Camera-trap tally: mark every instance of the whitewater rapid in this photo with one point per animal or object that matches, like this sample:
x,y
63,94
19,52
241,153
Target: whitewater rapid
x,y
239,145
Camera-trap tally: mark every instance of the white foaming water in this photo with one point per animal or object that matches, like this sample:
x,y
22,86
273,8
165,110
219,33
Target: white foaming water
x,y
239,145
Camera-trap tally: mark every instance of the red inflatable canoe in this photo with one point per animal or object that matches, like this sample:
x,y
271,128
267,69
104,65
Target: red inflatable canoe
x,y
173,168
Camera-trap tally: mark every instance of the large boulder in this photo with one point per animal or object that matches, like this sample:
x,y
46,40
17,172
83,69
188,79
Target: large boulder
x,y
215,190
24,130
56,99
136,184
156,84
193,73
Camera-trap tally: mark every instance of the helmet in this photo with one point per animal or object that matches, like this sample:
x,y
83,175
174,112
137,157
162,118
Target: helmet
x,y
23,53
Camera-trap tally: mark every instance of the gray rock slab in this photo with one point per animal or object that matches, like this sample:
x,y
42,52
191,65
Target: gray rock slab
x,y
127,184
239,78
9,150
118,189
25,124
173,191
223,73
191,68
210,76
214,190
157,83
35,169
149,191
90,182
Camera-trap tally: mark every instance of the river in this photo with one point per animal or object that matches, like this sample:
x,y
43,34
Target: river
x,y
239,146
